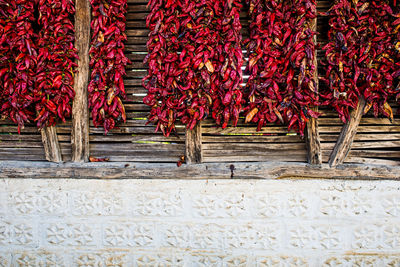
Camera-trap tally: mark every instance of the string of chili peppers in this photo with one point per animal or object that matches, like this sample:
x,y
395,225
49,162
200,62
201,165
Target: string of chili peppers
x,y
193,65
359,56
281,87
181,67
396,44
17,61
107,62
55,61
228,96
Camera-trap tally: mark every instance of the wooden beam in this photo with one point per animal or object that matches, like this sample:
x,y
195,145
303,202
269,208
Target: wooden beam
x,y
346,137
129,170
193,145
50,143
80,112
312,134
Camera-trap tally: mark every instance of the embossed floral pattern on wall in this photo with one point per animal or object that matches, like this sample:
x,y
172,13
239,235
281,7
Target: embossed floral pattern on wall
x,y
199,223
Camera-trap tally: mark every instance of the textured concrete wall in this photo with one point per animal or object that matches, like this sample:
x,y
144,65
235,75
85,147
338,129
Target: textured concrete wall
x,y
199,223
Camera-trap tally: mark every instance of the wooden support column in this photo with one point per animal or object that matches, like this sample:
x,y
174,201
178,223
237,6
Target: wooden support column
x,y
346,137
80,112
50,142
193,145
312,134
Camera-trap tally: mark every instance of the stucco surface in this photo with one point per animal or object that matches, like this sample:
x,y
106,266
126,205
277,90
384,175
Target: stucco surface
x,y
69,222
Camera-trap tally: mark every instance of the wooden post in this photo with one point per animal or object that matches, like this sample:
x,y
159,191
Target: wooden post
x,y
346,137
50,142
313,142
193,145
312,134
80,112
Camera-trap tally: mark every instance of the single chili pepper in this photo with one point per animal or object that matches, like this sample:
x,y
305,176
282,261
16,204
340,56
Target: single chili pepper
x,y
107,63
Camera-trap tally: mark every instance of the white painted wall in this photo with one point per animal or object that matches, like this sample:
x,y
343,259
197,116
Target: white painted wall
x,y
199,223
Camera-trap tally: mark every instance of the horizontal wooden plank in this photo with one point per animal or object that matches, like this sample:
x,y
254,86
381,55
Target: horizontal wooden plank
x,y
127,170
139,158
367,144
283,129
252,139
157,138
129,130
252,148
131,147
370,153
254,158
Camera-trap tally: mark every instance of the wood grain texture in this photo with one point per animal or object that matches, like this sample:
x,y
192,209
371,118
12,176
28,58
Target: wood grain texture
x,y
346,137
80,112
264,170
194,145
51,145
312,134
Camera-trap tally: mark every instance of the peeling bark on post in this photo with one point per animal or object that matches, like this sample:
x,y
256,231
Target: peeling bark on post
x,y
346,137
50,143
312,134
193,145
80,112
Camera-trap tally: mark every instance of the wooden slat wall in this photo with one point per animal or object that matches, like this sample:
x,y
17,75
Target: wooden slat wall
x,y
377,141
28,145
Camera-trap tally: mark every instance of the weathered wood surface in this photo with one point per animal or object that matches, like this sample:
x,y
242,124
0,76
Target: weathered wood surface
x,y
80,111
312,133
51,145
125,170
193,143
346,137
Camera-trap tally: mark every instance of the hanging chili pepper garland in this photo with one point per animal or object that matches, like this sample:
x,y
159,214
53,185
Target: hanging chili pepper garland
x,y
37,61
17,61
194,62
227,94
396,48
359,56
281,86
108,62
55,61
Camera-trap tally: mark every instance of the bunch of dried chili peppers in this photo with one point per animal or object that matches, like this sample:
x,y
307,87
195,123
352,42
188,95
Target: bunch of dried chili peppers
x,y
194,62
360,56
55,61
36,60
18,56
227,94
396,45
108,62
281,86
